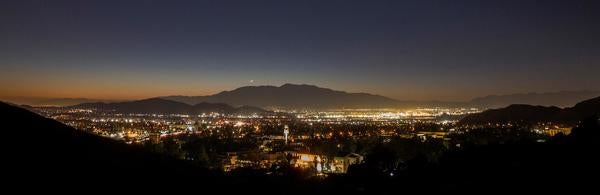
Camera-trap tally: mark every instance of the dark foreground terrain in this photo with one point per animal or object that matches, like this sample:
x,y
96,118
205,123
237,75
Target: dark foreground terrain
x,y
43,154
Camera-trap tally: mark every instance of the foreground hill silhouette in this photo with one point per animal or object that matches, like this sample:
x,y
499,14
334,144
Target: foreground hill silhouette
x,y
42,152
533,114
45,154
561,164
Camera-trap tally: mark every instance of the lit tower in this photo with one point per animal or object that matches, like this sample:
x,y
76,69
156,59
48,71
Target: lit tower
x,y
286,131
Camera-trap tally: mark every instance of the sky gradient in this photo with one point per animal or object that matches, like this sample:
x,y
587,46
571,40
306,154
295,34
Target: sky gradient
x,y
408,50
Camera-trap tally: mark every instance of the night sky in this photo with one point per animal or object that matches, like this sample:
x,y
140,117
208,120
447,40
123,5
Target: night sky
x,y
408,50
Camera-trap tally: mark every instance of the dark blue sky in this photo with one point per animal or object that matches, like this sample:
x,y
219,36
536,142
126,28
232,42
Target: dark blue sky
x,y
422,50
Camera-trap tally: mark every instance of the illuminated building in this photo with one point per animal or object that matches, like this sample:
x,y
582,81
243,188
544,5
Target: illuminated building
x,y
341,164
286,131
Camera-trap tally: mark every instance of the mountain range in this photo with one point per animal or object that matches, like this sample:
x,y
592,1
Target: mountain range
x,y
291,96
41,101
310,96
532,114
163,106
301,96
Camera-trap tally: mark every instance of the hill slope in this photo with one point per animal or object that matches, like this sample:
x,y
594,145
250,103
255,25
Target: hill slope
x,y
559,99
163,106
46,151
534,114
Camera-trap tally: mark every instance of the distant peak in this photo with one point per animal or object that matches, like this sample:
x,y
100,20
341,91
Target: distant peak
x,y
296,85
